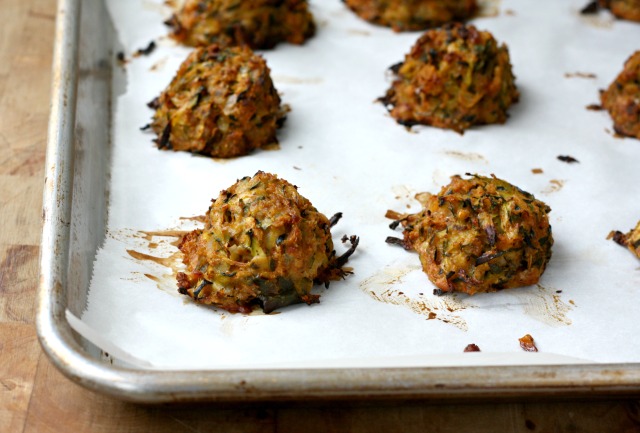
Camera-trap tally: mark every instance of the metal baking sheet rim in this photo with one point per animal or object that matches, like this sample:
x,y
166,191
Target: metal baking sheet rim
x,y
63,348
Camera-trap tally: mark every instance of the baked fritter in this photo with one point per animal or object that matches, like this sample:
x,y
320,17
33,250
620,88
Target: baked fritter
x,y
480,235
260,24
622,98
625,9
409,15
262,244
453,77
630,240
221,103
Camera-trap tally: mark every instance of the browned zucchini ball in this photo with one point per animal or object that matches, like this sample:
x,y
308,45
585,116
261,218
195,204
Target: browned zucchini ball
x,y
264,245
221,103
260,24
453,77
408,15
622,98
480,235
625,9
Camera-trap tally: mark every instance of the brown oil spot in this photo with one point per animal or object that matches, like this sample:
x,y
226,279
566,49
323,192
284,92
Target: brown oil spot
x,y
159,64
163,261
536,171
555,186
358,32
444,308
198,218
295,80
488,8
509,12
601,20
544,305
466,156
594,107
588,75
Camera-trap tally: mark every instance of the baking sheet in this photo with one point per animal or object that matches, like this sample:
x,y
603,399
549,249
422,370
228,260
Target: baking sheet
x,y
346,154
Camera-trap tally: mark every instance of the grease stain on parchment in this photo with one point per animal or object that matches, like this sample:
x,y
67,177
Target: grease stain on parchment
x,y
600,20
555,185
545,305
466,156
488,8
285,79
443,308
158,251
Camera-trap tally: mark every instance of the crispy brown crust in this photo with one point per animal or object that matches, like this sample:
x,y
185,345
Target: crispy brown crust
x,y
481,235
221,103
453,77
262,244
625,9
259,24
409,15
622,98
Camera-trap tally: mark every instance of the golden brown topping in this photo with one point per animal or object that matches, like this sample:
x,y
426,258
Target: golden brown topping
x,y
406,15
221,103
622,98
480,235
527,343
258,24
262,244
453,77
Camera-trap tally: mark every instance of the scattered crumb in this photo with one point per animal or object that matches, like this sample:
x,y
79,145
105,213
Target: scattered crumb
x,y
471,348
594,107
510,12
558,291
527,343
579,75
536,171
296,168
568,159
358,32
146,50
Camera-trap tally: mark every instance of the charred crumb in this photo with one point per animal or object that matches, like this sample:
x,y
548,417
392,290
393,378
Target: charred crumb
x,y
121,57
439,292
395,68
396,241
163,142
618,237
145,127
154,103
558,291
568,159
590,8
146,50
344,238
472,348
527,344
334,219
342,260
394,225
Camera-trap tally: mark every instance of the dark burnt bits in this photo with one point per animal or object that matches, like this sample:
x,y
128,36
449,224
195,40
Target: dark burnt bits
x,y
259,24
454,77
263,245
568,159
471,348
411,15
479,235
221,103
622,99
630,240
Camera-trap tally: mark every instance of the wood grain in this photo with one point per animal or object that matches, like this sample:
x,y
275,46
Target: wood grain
x,y
35,397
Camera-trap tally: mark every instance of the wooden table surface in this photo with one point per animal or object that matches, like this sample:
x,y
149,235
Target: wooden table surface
x,y
35,397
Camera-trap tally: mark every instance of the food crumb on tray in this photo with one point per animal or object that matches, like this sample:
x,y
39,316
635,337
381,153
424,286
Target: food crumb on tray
x,y
527,344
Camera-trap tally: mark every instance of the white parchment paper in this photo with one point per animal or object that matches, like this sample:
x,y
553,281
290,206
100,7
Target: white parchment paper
x,y
346,154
